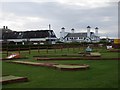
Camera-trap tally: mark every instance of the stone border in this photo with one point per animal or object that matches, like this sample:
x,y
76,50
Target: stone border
x,y
84,58
82,67
19,79
113,50
53,65
13,58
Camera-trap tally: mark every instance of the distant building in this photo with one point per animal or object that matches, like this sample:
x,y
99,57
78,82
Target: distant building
x,y
79,37
34,37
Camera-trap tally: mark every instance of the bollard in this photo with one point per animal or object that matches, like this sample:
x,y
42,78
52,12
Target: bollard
x,y
7,51
68,49
55,50
47,50
38,49
29,50
19,50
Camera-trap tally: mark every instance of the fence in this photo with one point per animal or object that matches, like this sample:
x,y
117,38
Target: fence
x,y
46,48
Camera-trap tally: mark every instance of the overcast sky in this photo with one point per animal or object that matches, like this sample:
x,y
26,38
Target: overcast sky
x,y
77,14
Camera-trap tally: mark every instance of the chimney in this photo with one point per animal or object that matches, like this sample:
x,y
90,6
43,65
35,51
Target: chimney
x,y
88,31
49,27
96,31
6,27
3,27
72,30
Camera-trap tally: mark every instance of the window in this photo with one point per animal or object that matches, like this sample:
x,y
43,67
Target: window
x,y
20,33
71,38
75,38
80,38
67,39
53,33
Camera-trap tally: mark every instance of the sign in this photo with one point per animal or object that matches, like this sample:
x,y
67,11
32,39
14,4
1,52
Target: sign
x,y
116,41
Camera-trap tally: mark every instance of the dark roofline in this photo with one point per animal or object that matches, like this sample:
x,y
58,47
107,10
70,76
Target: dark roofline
x,y
62,28
88,27
96,28
29,34
74,33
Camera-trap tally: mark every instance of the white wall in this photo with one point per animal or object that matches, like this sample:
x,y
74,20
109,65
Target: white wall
x,y
96,32
88,32
17,40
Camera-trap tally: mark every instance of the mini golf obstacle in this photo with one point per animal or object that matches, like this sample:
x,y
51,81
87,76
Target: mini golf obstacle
x,y
14,56
73,67
59,55
68,58
81,58
81,54
95,54
33,63
12,79
113,50
90,54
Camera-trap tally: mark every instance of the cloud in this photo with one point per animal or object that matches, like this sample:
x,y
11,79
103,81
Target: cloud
x,y
68,13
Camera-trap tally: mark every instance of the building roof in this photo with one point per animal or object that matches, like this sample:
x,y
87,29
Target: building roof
x,y
80,35
28,34
88,27
62,28
96,28
5,30
76,35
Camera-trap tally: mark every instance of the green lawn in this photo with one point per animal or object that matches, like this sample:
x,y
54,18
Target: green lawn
x,y
101,74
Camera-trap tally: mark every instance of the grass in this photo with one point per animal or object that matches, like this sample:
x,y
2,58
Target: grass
x,y
102,74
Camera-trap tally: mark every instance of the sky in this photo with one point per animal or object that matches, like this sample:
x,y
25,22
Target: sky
x,y
20,15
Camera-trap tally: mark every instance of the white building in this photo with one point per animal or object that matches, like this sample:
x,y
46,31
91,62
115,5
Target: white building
x,y
79,37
